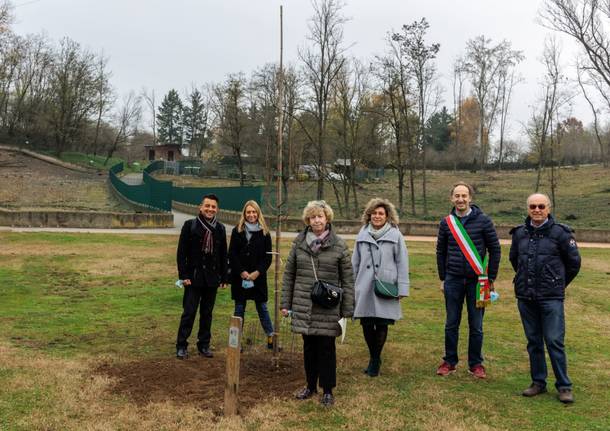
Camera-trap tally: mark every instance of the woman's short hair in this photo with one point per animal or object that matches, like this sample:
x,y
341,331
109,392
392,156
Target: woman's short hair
x,y
259,212
375,203
315,207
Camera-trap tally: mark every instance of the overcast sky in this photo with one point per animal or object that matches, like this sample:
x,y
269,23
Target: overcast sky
x,y
165,44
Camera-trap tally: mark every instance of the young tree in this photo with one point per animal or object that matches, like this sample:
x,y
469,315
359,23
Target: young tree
x,y
169,119
322,64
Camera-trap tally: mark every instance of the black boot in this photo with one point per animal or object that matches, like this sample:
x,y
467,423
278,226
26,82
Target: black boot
x,y
368,367
373,370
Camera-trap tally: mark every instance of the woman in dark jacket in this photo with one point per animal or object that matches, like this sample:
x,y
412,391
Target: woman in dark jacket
x,y
317,253
249,259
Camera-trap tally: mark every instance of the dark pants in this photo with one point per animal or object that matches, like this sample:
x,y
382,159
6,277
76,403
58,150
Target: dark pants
x,y
544,323
193,298
263,314
456,289
320,361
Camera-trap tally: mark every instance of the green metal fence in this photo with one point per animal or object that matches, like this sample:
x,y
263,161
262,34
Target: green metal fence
x,y
158,195
231,198
152,193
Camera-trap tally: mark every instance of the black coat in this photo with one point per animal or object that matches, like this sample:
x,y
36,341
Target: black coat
x,y
209,270
449,256
250,256
545,260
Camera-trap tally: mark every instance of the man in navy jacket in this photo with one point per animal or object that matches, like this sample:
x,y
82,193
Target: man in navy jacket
x,y
545,258
459,281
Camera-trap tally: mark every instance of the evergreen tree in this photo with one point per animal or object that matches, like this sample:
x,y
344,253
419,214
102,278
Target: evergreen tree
x,y
195,122
439,130
169,119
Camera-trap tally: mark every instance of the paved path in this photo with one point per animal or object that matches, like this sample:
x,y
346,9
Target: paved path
x,y
180,218
132,179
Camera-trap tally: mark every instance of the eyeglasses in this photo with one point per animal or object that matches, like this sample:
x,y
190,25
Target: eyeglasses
x,y
539,206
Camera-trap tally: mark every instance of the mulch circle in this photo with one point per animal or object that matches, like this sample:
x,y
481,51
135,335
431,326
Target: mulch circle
x,y
200,381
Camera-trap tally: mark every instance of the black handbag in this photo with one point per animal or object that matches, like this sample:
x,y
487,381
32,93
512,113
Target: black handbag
x,y
324,294
383,289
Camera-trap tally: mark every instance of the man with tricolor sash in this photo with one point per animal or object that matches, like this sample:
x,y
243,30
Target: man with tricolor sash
x,y
468,257
545,257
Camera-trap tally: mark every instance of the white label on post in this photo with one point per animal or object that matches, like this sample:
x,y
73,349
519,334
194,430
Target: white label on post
x,y
234,337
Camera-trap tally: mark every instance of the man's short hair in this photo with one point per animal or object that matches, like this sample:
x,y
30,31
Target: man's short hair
x,y
211,196
462,183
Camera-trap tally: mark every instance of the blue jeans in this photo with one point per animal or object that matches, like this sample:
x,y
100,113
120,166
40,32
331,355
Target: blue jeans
x,y
263,314
456,289
544,323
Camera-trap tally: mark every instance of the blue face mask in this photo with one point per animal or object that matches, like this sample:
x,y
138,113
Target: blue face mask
x,y
247,284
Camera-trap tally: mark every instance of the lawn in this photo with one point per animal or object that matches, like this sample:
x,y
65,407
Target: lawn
x,y
73,305
583,194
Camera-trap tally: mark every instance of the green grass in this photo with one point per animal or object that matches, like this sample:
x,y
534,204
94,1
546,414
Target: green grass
x,y
97,161
69,301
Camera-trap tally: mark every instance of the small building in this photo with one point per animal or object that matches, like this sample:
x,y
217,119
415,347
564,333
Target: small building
x,y
167,152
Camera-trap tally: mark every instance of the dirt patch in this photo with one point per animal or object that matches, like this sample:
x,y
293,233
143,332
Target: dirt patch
x,y
27,182
200,382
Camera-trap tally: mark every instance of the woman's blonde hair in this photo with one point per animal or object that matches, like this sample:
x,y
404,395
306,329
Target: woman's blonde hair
x,y
314,207
261,218
375,203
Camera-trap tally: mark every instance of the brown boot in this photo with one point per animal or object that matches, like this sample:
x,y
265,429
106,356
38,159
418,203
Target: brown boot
x,y
566,396
534,390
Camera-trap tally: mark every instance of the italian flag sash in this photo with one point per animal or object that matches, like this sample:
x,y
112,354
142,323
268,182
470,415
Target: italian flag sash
x,y
471,254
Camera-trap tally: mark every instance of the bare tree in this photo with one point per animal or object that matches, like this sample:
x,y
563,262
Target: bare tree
x,y
458,82
396,109
553,97
580,74
420,59
232,118
352,100
506,81
151,103
105,97
322,63
73,89
127,120
586,21
484,63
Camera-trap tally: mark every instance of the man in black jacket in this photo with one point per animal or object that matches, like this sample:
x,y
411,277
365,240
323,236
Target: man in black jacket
x,y
545,258
459,280
202,267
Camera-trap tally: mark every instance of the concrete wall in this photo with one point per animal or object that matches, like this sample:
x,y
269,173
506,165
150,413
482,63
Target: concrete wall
x,y
84,219
294,224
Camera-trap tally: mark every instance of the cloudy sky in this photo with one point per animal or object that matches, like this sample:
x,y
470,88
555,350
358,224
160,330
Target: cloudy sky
x,y
164,44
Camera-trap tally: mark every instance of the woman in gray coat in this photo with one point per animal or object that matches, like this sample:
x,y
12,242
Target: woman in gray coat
x,y
318,246
380,251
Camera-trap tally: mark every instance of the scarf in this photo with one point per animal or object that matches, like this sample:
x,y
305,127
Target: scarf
x,y
207,240
314,241
250,228
378,233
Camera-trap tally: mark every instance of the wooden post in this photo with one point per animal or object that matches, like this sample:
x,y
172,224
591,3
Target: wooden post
x,y
233,357
279,202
